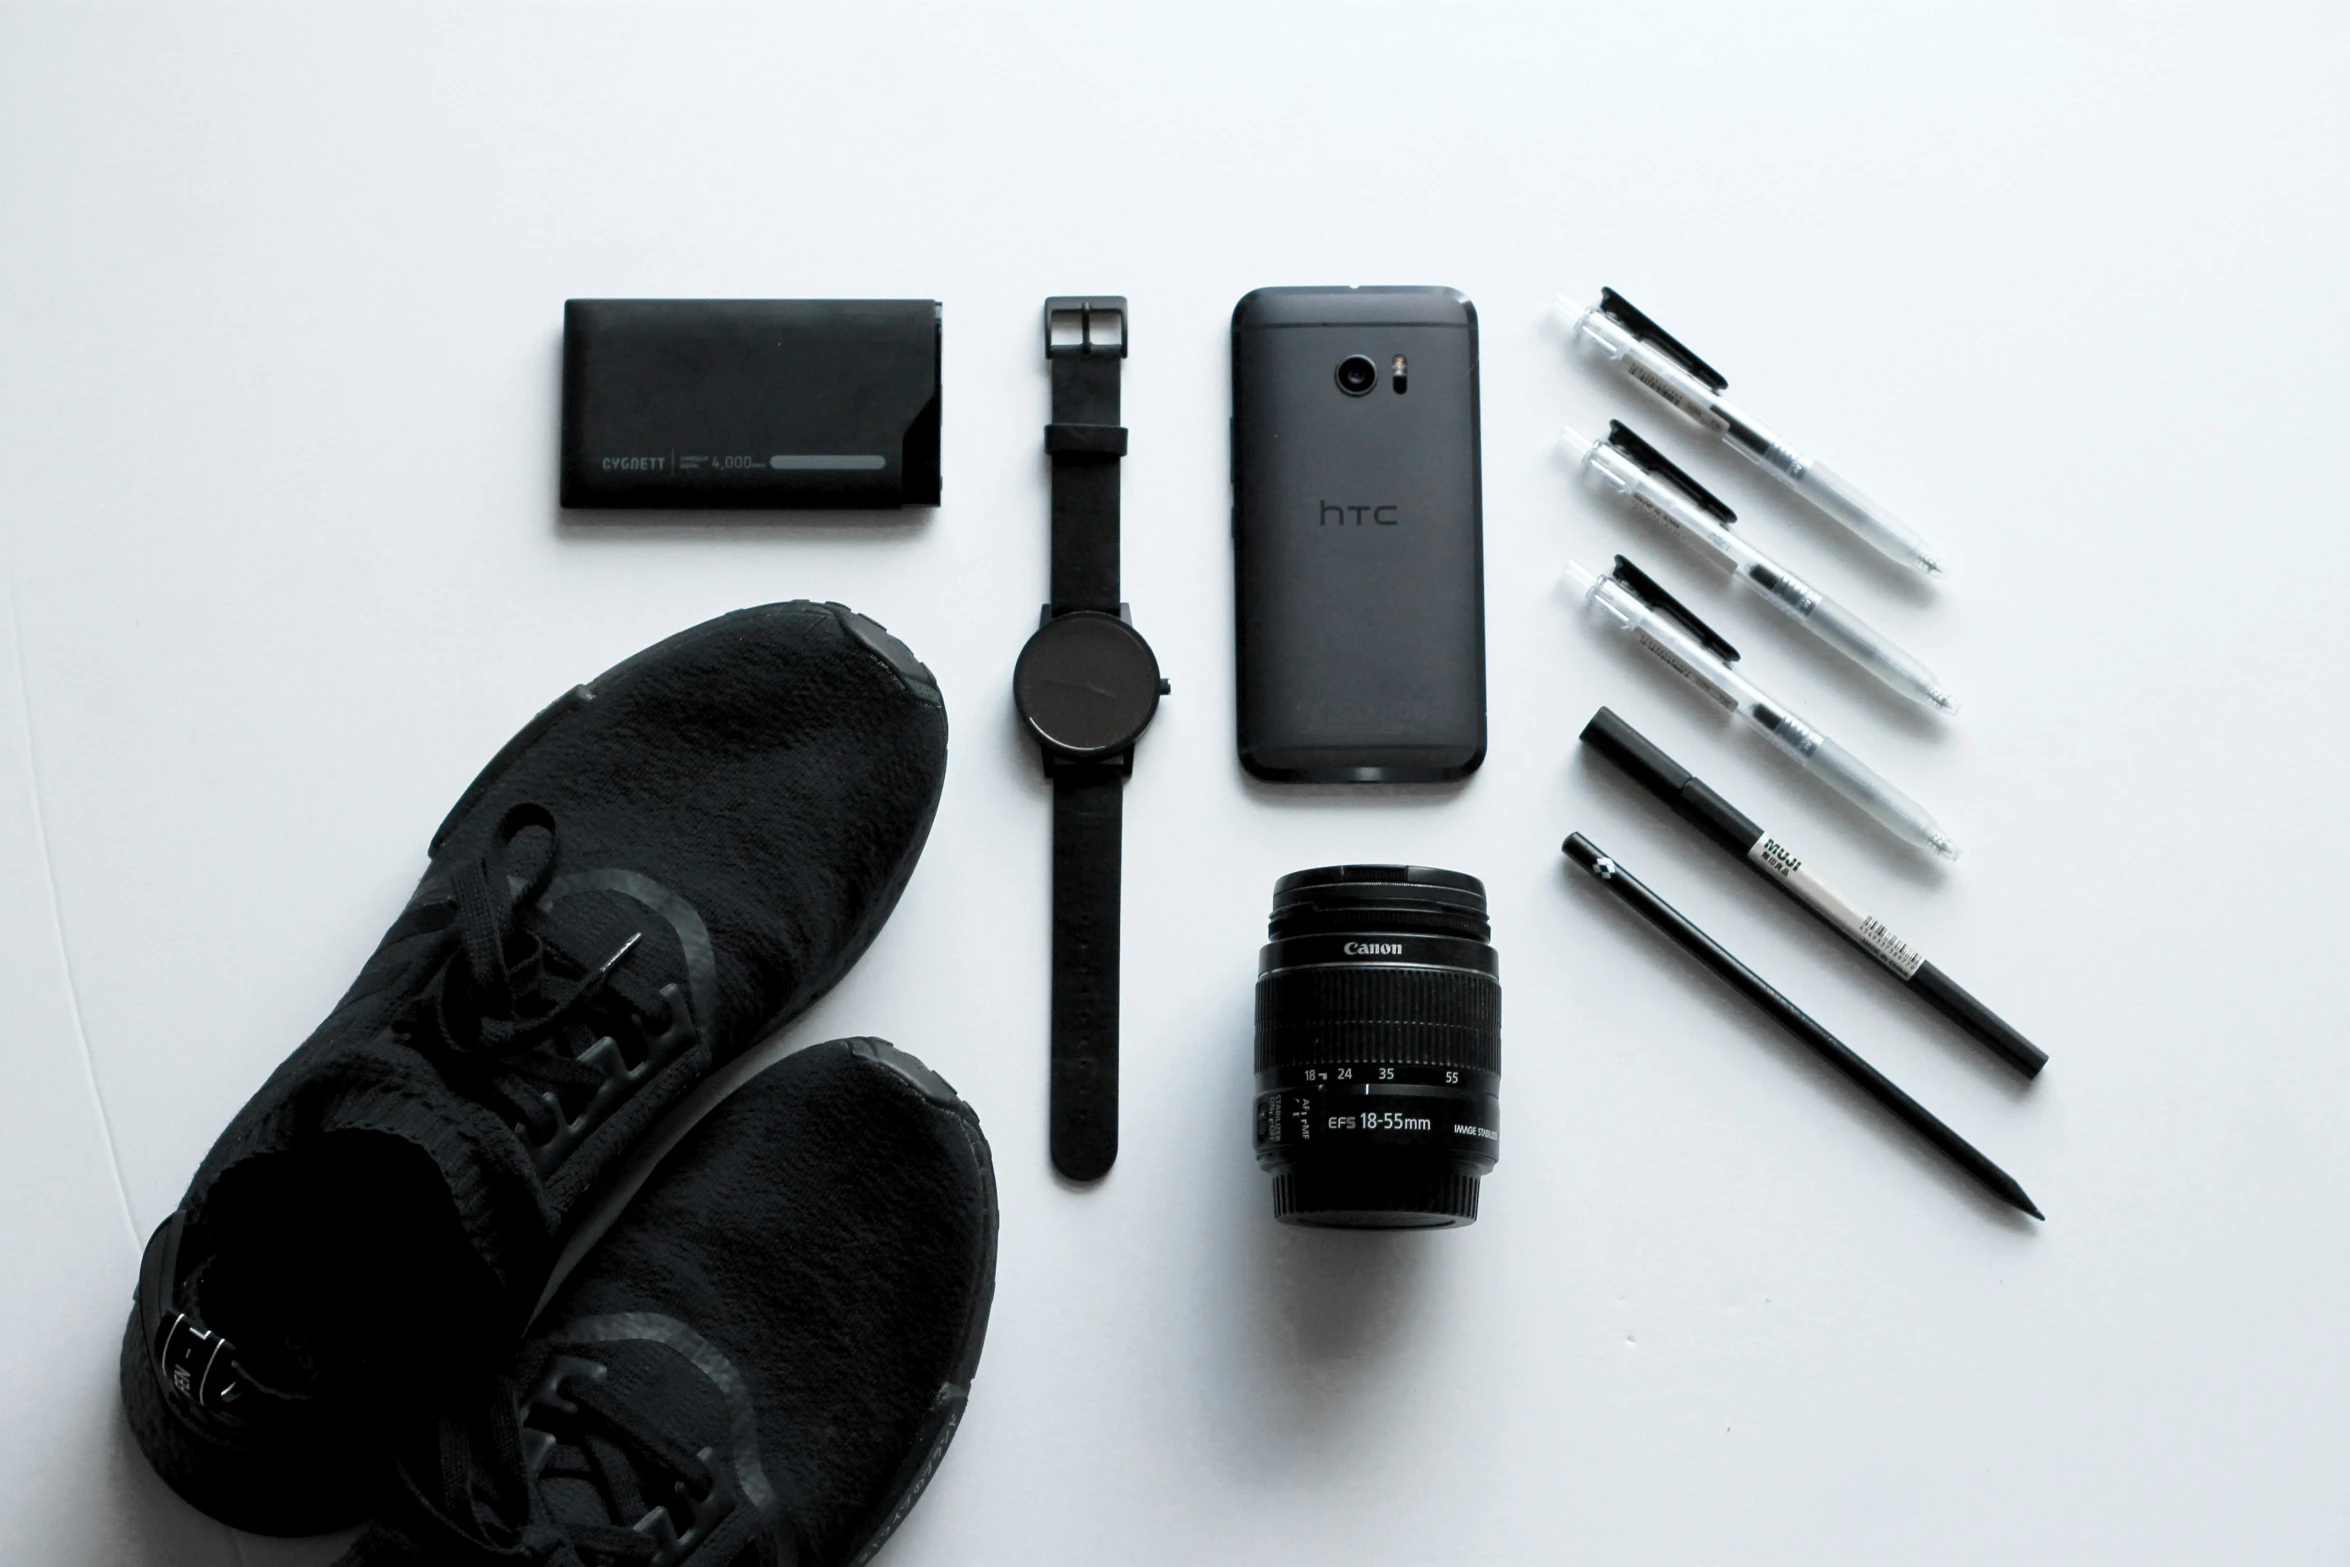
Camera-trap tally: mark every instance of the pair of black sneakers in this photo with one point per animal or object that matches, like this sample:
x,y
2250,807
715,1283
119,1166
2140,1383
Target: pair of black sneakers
x,y
764,1357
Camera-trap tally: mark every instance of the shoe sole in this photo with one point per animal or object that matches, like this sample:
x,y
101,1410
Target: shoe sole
x,y
323,1508
938,1429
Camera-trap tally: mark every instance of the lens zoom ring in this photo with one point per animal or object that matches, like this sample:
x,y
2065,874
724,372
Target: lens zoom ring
x,y
1394,1016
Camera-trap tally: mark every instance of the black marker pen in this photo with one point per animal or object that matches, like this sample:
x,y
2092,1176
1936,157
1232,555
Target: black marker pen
x,y
1770,859
1632,891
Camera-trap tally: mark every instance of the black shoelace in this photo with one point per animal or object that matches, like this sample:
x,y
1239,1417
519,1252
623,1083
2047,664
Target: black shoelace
x,y
617,1449
662,1498
510,1006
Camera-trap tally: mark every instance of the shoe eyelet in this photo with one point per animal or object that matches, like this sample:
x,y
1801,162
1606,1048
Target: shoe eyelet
x,y
704,1508
653,1027
619,1081
537,1443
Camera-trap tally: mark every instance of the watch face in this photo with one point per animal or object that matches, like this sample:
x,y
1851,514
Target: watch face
x,y
1087,684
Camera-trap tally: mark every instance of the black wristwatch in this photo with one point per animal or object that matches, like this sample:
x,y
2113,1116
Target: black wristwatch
x,y
1086,685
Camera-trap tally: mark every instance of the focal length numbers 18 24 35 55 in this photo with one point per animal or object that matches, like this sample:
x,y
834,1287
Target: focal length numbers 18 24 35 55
x,y
1373,1103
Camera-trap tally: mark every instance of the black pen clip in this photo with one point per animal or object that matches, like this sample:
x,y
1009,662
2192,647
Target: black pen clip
x,y
1627,315
1620,436
1645,588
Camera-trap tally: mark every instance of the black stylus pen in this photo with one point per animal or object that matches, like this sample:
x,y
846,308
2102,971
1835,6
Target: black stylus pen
x,y
1792,1018
1727,826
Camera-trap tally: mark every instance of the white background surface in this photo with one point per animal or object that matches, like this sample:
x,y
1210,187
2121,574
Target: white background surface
x,y
280,291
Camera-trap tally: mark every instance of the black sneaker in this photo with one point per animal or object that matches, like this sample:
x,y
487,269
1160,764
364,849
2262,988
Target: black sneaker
x,y
762,1361
661,868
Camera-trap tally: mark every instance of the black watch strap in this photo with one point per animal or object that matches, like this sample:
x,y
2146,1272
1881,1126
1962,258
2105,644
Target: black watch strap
x,y
1086,804
1085,345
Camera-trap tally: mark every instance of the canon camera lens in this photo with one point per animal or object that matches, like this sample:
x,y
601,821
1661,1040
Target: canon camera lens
x,y
1378,1047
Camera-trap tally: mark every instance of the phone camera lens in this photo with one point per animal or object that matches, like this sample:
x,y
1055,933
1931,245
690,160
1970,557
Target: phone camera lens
x,y
1378,1047
1357,375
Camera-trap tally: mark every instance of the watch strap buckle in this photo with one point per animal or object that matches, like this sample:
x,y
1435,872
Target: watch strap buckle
x,y
1085,325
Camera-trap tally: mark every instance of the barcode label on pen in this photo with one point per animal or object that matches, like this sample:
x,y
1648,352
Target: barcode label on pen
x,y
1656,509
1664,514
1664,384
1686,670
1782,863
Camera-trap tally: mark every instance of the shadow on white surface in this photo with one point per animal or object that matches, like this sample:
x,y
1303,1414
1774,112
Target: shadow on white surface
x,y
1323,1324
1329,1315
650,525
81,1492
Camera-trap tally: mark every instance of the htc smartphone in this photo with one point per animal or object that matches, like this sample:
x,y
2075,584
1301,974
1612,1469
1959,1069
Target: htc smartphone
x,y
1358,549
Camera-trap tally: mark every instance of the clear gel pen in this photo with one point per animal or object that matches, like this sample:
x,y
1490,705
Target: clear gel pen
x,y
1692,388
1651,483
1631,602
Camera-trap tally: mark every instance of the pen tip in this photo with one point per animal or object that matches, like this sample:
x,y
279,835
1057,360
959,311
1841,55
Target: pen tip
x,y
1942,843
1942,699
1930,566
2030,1207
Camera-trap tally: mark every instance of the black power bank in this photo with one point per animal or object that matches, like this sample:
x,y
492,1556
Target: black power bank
x,y
698,403
1357,535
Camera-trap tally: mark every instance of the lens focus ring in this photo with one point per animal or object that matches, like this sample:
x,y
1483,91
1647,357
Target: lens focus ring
x,y
1374,1015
